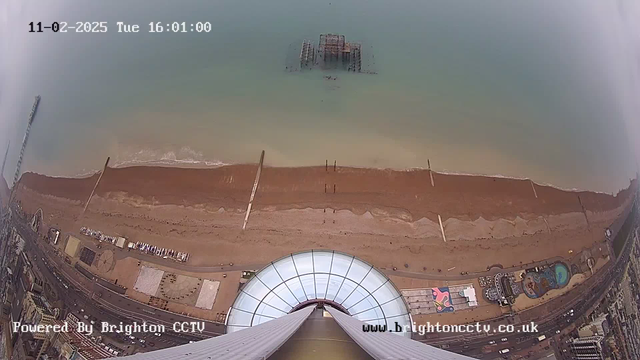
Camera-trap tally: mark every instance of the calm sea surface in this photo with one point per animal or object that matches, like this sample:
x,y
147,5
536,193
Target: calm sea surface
x,y
537,89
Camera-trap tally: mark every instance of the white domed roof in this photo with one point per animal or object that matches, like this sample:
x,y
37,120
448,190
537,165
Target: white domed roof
x,y
341,280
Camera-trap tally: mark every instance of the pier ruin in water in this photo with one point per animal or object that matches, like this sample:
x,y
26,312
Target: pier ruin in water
x,y
331,52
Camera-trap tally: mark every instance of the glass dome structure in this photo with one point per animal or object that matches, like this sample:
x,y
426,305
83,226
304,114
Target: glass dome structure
x,y
342,281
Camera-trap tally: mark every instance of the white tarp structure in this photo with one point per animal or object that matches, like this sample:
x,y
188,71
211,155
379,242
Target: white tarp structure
x,y
120,241
208,294
73,243
470,294
148,280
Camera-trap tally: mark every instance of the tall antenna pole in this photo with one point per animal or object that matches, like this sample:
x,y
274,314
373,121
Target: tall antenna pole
x,y
4,161
36,101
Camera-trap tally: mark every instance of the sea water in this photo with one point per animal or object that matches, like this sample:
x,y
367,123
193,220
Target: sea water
x,y
535,89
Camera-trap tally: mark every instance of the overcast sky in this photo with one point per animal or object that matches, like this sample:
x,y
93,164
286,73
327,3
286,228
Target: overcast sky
x,y
629,22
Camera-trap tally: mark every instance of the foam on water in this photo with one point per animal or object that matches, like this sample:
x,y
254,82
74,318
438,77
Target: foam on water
x,y
184,156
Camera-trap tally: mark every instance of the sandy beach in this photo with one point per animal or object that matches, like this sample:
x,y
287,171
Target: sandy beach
x,y
407,195
389,218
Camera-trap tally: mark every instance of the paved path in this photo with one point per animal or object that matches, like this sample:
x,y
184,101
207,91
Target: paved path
x,y
471,275
445,276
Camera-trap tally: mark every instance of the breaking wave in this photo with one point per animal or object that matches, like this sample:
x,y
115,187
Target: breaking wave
x,y
183,156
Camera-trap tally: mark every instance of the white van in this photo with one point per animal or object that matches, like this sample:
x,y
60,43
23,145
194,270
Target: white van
x,y
503,351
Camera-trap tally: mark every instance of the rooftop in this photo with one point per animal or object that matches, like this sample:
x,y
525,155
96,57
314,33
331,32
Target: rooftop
x,y
40,303
343,281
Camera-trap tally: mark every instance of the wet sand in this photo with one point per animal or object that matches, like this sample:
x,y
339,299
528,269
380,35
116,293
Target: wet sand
x,y
406,194
389,218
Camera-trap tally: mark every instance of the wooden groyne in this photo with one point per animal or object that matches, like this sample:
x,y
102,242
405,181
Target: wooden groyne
x,y
253,191
106,164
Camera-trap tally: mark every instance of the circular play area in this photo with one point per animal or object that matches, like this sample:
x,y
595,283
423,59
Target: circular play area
x,y
179,287
536,284
105,261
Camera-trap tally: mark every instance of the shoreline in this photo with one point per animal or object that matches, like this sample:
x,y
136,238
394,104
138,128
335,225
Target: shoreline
x,y
405,195
204,165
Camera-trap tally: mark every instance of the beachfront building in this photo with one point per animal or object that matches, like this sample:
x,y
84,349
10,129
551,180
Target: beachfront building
x,y
35,312
470,294
599,326
73,345
331,304
587,348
